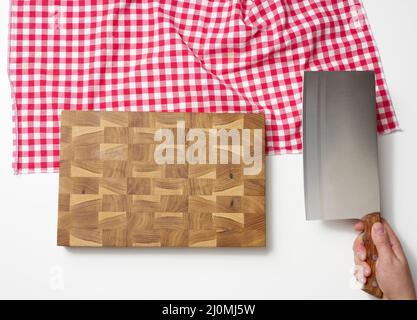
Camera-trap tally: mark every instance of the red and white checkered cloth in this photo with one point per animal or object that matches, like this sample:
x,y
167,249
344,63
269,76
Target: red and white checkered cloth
x,y
178,55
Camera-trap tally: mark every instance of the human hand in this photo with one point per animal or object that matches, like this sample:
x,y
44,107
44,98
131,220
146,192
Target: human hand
x,y
392,271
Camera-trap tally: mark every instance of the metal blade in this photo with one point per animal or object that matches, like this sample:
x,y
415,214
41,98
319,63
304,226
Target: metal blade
x,y
340,145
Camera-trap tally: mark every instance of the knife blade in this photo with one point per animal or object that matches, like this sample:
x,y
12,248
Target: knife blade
x,y
340,152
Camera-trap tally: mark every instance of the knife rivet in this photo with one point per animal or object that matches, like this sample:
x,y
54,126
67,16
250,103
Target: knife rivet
x,y
374,257
375,284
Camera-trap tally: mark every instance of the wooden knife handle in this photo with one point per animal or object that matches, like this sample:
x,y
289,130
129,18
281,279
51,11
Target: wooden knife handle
x,y
371,287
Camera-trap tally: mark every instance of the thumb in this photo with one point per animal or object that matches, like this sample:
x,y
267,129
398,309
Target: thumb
x,y
381,241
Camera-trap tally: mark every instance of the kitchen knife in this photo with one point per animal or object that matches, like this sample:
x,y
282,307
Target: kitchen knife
x,y
341,153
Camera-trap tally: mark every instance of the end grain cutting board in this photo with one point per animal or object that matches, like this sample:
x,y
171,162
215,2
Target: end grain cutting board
x,y
113,190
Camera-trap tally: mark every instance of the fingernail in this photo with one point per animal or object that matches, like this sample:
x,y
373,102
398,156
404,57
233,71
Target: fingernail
x,y
362,280
379,228
361,255
367,271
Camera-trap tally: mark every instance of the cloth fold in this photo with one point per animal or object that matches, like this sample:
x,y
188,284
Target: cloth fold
x,y
178,55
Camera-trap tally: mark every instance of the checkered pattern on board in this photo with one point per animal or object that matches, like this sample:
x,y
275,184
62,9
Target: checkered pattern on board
x,y
114,192
184,55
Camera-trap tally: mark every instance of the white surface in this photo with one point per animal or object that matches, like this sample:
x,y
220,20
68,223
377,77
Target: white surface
x,y
303,260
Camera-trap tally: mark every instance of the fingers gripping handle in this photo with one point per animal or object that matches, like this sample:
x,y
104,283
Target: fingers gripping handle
x,y
371,287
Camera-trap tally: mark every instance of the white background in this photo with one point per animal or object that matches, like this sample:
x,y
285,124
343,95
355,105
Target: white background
x,y
303,259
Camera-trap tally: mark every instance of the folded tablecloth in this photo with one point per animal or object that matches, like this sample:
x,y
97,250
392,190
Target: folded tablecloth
x,y
178,55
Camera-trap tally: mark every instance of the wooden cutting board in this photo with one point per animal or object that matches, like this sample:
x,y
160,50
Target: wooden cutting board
x,y
115,190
